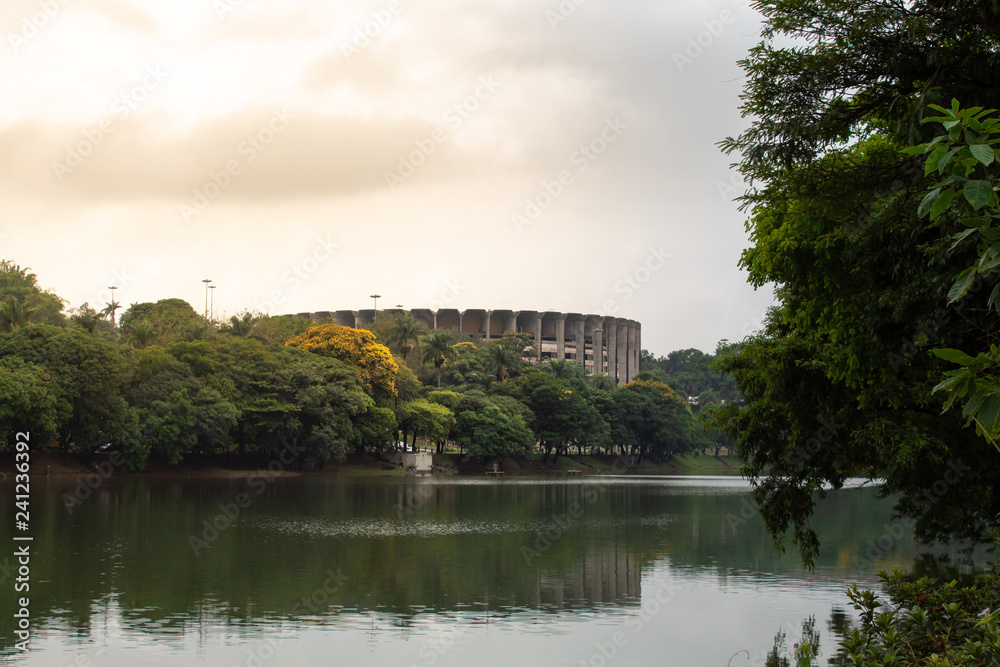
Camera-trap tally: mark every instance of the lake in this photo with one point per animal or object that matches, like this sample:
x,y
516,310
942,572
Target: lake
x,y
430,571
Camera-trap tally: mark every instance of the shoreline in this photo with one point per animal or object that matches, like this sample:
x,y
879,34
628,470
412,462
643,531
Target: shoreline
x,y
223,466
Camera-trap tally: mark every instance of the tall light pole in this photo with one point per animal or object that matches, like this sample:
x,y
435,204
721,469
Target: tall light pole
x,y
212,306
114,306
376,297
206,281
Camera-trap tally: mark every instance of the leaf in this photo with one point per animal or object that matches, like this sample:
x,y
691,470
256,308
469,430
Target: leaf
x,y
927,202
953,355
942,203
993,298
989,411
932,160
962,284
974,403
978,193
983,153
961,236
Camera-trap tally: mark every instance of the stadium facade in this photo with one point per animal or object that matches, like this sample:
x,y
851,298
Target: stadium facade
x,y
602,344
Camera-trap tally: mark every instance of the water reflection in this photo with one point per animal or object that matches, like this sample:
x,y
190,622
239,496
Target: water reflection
x,y
189,562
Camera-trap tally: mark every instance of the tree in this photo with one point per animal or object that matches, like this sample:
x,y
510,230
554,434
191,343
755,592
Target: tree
x,y
87,318
14,314
602,381
356,347
967,160
562,417
20,284
649,419
139,333
838,382
564,369
492,434
424,418
29,401
507,355
169,319
405,333
438,350
109,310
88,373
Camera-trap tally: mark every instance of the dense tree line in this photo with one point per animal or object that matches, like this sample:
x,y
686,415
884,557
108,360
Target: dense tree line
x,y
163,381
840,380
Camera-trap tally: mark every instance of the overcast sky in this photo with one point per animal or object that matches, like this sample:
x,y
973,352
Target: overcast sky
x,y
523,154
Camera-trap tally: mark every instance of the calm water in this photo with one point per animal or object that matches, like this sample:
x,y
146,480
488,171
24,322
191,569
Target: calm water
x,y
422,571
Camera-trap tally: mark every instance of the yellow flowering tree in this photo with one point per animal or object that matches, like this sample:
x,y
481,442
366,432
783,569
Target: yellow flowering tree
x,y
356,347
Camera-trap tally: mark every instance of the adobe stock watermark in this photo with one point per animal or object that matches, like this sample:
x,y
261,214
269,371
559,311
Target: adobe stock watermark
x,y
895,530
633,281
246,152
453,118
120,279
224,7
319,599
31,25
300,271
561,522
452,290
415,501
581,159
439,643
365,34
653,602
86,486
229,513
562,13
713,29
122,108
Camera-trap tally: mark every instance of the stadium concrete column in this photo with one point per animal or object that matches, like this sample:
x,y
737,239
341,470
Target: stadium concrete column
x,y
581,342
612,331
357,319
633,356
536,329
561,336
621,324
489,315
598,337
510,322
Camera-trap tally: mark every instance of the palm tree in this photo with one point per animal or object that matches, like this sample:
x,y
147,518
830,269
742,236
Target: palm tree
x,y
87,317
241,325
14,314
564,369
602,381
405,333
501,359
109,310
140,333
479,380
438,350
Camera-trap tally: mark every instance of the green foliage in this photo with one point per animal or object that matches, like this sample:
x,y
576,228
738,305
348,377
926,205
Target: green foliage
x,y
169,320
926,622
88,373
649,419
493,435
562,415
29,401
424,418
690,372
838,382
438,350
964,161
21,297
